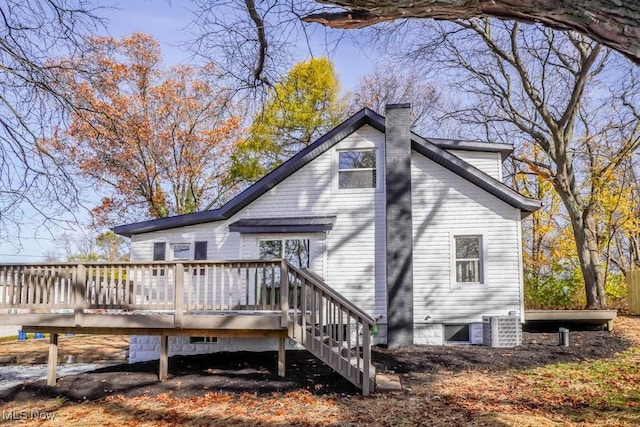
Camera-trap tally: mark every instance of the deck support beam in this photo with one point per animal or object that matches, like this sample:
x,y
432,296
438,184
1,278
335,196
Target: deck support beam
x,y
53,359
281,357
164,358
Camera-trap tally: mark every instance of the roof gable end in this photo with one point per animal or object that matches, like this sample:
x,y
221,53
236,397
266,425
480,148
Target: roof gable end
x,y
363,117
473,174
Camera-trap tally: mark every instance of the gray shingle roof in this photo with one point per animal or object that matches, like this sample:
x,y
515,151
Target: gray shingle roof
x,y
363,117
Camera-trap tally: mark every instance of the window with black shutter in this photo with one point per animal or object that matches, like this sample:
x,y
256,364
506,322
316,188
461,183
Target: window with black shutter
x,y
200,254
159,254
159,251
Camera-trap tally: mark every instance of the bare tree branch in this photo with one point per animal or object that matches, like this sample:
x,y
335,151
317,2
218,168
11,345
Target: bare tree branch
x,y
612,23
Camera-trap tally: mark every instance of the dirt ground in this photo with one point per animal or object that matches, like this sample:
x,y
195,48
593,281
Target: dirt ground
x,y
255,373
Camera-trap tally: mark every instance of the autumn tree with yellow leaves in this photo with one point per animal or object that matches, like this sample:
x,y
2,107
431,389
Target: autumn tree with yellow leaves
x,y
559,91
303,106
159,141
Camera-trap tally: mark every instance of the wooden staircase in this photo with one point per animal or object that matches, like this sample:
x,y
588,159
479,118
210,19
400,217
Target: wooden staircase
x,y
330,327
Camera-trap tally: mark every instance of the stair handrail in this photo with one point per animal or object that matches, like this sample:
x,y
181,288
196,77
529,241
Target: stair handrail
x,y
319,282
366,321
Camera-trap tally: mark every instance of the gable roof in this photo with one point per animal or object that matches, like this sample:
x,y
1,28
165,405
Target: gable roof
x,y
432,150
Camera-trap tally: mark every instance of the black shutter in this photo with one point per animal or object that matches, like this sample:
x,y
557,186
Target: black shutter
x,y
200,251
159,254
159,251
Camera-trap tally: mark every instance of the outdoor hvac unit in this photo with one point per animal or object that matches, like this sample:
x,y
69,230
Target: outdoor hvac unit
x,y
501,331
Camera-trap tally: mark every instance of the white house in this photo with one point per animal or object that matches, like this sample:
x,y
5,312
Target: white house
x,y
420,233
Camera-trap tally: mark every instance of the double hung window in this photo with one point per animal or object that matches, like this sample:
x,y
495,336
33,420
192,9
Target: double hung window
x,y
357,169
468,259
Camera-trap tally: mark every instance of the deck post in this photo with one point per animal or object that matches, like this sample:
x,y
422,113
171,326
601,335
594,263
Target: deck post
x,y
284,293
178,296
366,355
79,290
281,357
53,359
609,325
164,358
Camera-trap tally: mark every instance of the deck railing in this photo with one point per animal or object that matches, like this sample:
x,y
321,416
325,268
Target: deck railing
x,y
158,286
325,323
331,327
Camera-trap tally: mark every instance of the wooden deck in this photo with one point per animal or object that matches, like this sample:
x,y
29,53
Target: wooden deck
x,y
248,299
603,317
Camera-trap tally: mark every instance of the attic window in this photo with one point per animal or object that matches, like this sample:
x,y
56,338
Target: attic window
x,y
357,169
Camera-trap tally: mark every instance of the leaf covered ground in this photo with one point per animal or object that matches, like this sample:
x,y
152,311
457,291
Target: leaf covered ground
x,y
596,381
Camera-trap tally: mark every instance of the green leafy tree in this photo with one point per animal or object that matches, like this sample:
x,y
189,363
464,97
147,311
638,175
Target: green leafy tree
x,y
105,247
305,105
112,247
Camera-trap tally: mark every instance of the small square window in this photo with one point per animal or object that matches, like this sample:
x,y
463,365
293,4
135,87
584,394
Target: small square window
x,y
181,252
468,261
357,169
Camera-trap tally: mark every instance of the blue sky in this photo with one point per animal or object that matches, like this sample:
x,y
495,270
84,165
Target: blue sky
x,y
167,21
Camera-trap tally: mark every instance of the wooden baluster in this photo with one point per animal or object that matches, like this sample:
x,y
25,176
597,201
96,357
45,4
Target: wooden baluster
x,y
178,296
349,343
37,287
238,288
284,293
123,289
340,335
366,353
80,289
229,287
247,301
214,285
256,291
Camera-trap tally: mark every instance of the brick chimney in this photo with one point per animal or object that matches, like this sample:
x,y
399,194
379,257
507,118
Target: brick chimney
x,y
399,225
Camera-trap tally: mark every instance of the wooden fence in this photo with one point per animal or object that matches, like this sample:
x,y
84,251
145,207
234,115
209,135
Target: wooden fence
x,y
633,291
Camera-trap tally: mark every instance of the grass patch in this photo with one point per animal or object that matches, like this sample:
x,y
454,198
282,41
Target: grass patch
x,y
611,385
597,392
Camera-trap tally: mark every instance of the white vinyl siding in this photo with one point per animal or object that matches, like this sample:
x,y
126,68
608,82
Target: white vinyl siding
x,y
446,205
221,245
355,247
351,257
488,162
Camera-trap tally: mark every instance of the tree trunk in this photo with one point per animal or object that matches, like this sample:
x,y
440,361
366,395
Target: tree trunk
x,y
610,22
585,233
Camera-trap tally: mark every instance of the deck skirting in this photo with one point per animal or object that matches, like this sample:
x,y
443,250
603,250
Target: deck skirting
x,y
581,316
